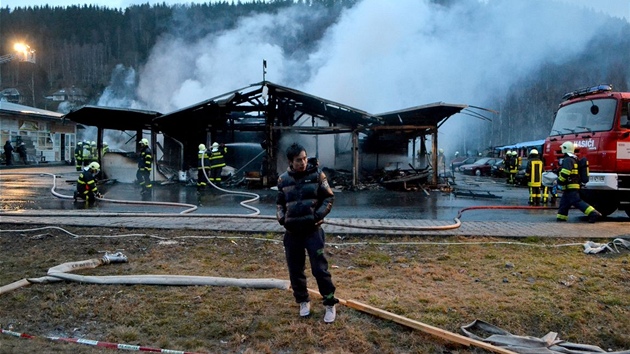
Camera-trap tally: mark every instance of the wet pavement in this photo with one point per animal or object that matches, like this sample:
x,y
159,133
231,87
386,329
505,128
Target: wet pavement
x,y
26,197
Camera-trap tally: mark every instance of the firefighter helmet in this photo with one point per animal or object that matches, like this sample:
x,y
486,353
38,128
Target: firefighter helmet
x,y
533,152
80,143
94,166
567,147
144,142
105,143
202,147
215,147
93,143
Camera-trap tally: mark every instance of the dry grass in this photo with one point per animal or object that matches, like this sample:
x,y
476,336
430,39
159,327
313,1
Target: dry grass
x,y
527,289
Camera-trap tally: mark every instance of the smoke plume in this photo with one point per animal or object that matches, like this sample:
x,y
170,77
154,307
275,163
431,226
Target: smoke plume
x,y
379,56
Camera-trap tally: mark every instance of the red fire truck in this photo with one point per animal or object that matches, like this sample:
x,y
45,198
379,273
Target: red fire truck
x,y
595,119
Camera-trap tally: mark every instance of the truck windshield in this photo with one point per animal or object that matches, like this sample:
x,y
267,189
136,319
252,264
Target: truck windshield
x,y
585,117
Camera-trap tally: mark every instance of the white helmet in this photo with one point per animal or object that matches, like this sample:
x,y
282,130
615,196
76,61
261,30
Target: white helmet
x,y
93,143
215,147
104,143
144,142
202,147
533,152
567,147
94,166
508,153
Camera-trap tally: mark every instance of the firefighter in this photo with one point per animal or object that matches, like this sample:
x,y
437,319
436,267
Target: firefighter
x,y
78,156
203,168
569,179
87,153
217,162
533,172
93,152
105,148
441,163
86,184
145,163
512,167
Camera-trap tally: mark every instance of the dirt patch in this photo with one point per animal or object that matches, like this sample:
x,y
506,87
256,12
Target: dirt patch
x,y
524,286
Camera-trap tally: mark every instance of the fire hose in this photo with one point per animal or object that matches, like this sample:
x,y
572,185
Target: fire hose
x,y
59,273
256,214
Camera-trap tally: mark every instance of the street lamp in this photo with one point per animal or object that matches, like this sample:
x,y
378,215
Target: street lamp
x,y
25,52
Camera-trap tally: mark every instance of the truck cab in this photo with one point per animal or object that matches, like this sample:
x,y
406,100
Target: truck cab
x,y
596,120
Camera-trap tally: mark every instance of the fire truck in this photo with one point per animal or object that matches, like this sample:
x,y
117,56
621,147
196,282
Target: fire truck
x,y
595,119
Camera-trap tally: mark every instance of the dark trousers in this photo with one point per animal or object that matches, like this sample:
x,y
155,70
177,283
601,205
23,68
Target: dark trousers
x,y
534,195
202,181
215,174
313,242
144,179
9,158
571,197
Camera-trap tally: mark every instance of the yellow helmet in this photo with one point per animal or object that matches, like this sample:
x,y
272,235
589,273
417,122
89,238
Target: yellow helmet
x,y
533,152
202,147
567,147
144,142
94,166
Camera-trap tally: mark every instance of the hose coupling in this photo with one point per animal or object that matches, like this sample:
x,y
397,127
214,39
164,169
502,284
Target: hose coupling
x,y
117,257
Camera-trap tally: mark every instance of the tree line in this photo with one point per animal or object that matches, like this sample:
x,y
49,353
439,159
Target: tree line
x,y
80,45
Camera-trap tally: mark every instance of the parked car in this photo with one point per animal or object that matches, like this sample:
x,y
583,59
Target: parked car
x,y
498,169
520,177
481,167
459,161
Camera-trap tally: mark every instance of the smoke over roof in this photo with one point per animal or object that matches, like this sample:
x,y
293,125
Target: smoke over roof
x,y
379,56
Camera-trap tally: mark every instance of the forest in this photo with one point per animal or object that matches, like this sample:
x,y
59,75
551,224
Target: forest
x,y
80,46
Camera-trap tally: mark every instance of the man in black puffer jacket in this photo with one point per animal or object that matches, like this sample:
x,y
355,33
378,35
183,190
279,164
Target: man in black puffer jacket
x,y
304,199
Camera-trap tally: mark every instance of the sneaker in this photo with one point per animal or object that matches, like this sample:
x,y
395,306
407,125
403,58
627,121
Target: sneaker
x,y
331,314
305,309
594,216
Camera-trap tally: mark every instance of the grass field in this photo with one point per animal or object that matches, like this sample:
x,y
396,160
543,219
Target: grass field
x,y
529,287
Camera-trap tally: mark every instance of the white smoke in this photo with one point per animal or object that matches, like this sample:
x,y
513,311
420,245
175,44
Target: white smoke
x,y
380,56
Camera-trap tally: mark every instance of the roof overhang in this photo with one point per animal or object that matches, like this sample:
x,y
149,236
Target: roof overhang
x,y
113,118
14,109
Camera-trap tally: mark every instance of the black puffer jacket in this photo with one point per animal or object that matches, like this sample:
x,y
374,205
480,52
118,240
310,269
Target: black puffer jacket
x,y
304,198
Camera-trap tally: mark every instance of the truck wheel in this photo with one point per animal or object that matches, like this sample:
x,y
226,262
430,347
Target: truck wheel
x,y
605,203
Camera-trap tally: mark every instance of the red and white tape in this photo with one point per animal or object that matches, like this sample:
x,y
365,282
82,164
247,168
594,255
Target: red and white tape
x,y
96,343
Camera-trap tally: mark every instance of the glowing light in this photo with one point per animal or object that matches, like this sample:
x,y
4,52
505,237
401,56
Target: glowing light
x,y
21,47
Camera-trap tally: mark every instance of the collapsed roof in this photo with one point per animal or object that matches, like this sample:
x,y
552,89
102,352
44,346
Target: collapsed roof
x,y
268,107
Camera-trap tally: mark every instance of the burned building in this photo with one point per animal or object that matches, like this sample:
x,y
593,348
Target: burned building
x,y
269,117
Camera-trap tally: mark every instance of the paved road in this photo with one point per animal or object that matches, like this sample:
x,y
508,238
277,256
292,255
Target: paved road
x,y
28,199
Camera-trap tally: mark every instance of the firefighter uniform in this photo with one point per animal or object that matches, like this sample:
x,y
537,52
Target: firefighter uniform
x,y
533,172
203,167
145,165
217,162
78,156
512,167
86,184
569,179
87,153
